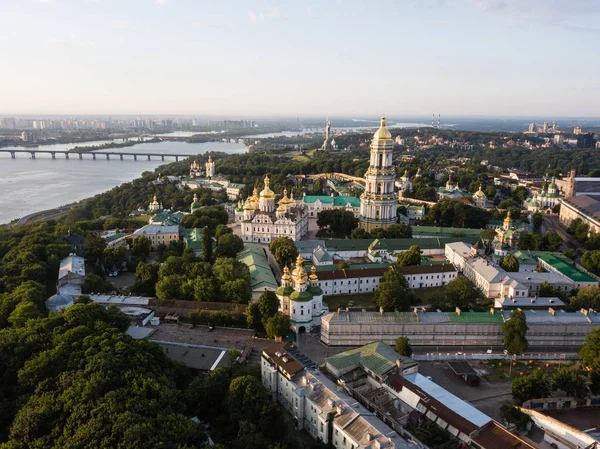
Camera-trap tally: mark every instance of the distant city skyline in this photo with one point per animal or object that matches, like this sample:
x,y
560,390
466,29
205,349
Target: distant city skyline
x,y
463,58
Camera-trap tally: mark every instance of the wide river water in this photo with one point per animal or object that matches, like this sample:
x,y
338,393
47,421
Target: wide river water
x,y
32,185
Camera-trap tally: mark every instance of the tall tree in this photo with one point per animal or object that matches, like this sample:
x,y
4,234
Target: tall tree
x,y
462,293
207,245
409,258
278,325
393,292
284,250
515,332
403,346
510,263
268,305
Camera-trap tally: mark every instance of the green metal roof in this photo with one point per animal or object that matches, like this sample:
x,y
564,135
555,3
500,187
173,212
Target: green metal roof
x,y
564,266
475,317
339,201
333,245
354,266
193,238
447,232
261,275
301,296
284,291
376,357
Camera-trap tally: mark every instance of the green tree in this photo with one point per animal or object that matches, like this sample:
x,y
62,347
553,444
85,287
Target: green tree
x,y
586,298
229,245
589,354
254,317
360,233
398,231
537,220
207,245
278,325
227,269
236,291
510,263
222,229
204,289
403,346
24,311
146,277
393,292
515,416
339,221
169,287
462,293
93,247
95,284
141,247
571,381
591,261
410,257
284,250
515,333
532,386
268,305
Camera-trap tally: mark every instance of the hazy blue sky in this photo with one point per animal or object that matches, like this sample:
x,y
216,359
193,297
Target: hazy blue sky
x,y
318,57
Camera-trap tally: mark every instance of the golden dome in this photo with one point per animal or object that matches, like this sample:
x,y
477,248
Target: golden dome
x,y
286,275
299,270
248,205
267,192
382,133
479,193
313,274
254,198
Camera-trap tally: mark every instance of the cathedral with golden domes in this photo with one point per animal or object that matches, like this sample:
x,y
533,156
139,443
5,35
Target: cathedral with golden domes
x,y
301,298
262,220
378,203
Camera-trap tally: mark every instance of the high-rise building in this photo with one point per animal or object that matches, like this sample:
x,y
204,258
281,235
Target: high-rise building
x,y
577,130
378,202
532,127
545,127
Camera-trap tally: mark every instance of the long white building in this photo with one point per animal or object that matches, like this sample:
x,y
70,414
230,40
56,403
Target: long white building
x,y
495,282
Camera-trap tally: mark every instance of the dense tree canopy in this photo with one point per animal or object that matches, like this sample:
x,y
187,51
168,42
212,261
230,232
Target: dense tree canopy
x,y
339,222
284,250
409,258
456,214
532,386
393,292
509,263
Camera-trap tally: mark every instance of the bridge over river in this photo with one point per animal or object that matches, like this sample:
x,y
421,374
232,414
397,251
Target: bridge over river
x,y
120,154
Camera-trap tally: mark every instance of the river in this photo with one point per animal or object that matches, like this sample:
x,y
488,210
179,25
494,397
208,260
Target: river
x,y
32,185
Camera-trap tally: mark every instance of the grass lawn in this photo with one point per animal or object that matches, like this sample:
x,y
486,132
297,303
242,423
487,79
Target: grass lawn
x,y
301,158
364,301
425,294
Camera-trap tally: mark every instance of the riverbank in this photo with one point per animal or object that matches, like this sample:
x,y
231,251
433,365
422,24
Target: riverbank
x,y
29,187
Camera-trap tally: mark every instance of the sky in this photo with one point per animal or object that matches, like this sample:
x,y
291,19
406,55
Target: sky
x,y
302,57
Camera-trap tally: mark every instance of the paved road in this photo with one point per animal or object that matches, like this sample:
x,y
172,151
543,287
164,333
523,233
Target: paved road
x,y
272,262
551,223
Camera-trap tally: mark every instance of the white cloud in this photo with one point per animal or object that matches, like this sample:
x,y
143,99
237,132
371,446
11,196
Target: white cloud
x,y
273,14
160,2
69,41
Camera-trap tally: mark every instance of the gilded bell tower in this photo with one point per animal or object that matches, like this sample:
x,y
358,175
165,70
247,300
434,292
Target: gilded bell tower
x,y
378,202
